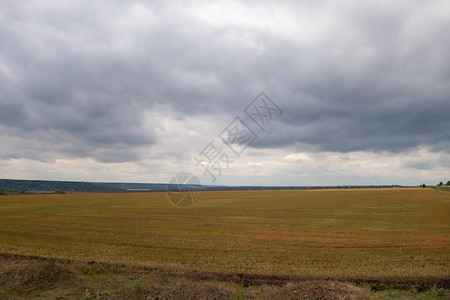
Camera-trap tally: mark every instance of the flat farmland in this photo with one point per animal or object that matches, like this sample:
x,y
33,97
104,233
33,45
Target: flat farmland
x,y
361,234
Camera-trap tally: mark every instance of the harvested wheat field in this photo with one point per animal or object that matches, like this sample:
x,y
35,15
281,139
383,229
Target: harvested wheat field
x,y
291,244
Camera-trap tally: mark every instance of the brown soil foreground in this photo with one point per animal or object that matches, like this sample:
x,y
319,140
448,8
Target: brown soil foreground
x,y
31,276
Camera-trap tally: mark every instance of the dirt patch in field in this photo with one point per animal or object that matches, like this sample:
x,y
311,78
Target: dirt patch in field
x,y
36,275
192,290
316,290
305,290
420,284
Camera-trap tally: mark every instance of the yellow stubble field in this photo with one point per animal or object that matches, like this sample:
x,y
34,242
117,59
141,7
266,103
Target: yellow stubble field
x,y
377,234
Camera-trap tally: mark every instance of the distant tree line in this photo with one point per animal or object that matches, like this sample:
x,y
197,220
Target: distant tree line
x,y
439,184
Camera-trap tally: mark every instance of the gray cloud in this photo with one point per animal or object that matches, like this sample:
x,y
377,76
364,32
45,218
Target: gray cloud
x,y
79,80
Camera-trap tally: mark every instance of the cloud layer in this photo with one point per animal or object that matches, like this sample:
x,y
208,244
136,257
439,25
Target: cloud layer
x,y
150,84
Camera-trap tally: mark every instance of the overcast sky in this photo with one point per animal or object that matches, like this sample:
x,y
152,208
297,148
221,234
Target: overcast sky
x,y
132,91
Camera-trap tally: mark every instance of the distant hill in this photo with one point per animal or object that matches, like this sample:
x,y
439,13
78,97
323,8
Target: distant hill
x,y
39,186
12,185
133,186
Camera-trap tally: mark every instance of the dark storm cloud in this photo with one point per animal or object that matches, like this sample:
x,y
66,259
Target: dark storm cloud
x,y
381,84
78,79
